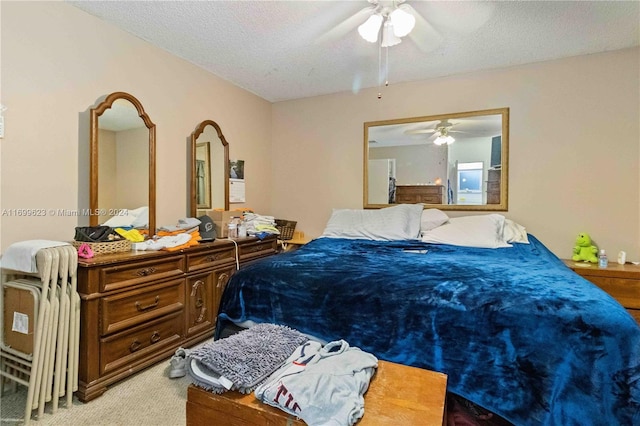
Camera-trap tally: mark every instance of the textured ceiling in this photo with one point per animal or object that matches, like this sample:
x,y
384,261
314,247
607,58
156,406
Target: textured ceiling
x,y
283,50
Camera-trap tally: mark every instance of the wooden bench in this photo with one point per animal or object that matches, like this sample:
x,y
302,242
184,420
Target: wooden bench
x,y
397,395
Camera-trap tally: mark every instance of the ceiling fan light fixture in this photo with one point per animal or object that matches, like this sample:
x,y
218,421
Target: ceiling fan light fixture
x,y
371,27
388,35
403,22
444,139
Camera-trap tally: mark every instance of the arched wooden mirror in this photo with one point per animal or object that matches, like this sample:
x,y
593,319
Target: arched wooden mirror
x,y
122,161
209,169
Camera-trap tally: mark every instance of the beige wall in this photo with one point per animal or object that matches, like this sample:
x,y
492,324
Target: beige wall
x,y
574,158
574,145
57,61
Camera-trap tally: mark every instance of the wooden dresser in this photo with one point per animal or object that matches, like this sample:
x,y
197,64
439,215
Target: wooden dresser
x,y
493,186
138,307
622,282
411,194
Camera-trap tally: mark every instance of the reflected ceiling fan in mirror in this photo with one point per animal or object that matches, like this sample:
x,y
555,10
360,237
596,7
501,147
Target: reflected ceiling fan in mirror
x,y
441,132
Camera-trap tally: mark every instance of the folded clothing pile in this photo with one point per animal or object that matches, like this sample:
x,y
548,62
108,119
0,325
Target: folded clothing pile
x,y
259,224
244,360
173,238
321,385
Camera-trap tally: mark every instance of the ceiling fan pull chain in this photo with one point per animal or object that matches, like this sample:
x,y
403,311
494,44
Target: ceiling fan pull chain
x,y
379,71
386,72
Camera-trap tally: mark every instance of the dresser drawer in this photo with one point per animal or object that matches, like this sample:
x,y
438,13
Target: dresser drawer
x,y
257,249
428,194
120,349
130,274
430,199
134,307
210,259
625,291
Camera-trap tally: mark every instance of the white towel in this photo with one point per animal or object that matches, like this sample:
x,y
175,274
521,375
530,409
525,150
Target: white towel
x,y
21,256
183,224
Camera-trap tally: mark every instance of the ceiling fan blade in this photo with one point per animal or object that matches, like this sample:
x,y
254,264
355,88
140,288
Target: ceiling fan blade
x,y
419,131
423,34
345,27
459,16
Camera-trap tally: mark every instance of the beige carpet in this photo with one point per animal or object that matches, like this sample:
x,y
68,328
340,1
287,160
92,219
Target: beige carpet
x,y
148,398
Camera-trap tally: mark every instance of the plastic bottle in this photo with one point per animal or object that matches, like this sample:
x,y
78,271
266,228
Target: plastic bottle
x,y
242,229
603,262
232,228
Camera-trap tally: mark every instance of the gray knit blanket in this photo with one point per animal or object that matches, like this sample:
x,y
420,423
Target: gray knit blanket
x,y
244,360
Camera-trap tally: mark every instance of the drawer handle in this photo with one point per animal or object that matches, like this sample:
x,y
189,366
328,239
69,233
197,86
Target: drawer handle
x,y
146,271
256,248
135,346
197,290
222,280
213,257
155,336
139,307
196,286
202,312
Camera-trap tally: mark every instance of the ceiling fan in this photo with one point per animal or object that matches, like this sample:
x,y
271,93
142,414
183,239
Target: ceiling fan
x,y
457,17
441,132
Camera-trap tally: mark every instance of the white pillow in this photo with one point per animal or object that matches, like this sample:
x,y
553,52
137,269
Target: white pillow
x,y
401,222
514,232
137,218
120,220
432,218
484,231
142,217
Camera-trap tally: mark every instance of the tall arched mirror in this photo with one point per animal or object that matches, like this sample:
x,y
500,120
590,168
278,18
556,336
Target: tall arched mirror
x,y
209,169
122,166
457,161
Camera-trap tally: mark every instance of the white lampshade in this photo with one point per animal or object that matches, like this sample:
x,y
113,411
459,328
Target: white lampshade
x,y
388,37
403,22
370,29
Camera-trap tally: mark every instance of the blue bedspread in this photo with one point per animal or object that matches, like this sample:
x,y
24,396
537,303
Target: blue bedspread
x,y
515,330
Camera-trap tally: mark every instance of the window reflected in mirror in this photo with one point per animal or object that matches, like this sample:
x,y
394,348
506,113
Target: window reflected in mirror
x,y
452,161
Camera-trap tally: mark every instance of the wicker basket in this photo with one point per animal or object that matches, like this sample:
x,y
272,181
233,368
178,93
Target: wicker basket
x,y
286,228
106,247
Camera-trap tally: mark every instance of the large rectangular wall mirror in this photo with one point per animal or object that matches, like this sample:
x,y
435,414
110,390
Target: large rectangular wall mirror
x,y
457,161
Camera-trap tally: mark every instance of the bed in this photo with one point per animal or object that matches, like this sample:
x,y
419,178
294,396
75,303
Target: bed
x,y
516,331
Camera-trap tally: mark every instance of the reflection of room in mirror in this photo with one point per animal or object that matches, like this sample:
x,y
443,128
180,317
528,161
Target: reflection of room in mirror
x,y
123,149
428,171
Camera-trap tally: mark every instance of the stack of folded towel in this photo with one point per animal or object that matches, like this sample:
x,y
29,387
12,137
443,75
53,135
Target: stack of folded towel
x,y
257,224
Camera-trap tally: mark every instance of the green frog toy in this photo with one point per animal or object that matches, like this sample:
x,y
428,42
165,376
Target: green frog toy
x,y
584,250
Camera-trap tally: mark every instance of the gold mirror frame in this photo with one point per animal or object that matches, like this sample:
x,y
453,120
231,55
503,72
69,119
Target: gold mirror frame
x,y
193,205
94,157
500,201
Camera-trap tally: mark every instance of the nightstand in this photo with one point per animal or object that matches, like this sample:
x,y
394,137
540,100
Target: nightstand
x,y
298,240
622,282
